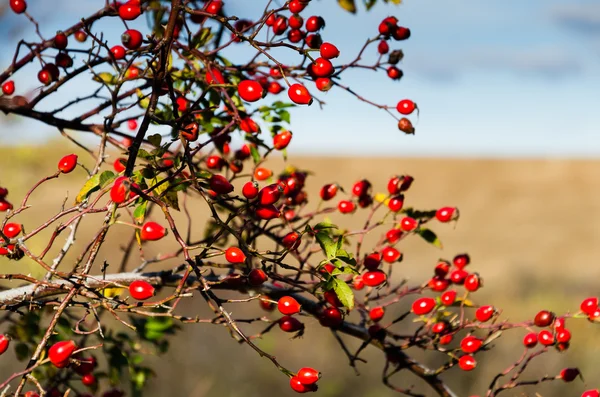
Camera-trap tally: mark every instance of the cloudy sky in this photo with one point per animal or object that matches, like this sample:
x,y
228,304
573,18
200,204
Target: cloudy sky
x,y
510,78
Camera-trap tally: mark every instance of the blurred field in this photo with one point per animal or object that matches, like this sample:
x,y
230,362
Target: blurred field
x,y
531,227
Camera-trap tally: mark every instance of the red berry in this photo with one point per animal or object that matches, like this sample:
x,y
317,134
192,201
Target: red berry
x,y
376,313
130,10
119,165
67,163
406,106
214,76
591,393
262,174
393,235
386,26
190,132
214,7
80,36
394,73
214,162
60,41
282,140
248,125
448,298
296,6
235,255
569,374
314,23
12,230
8,88
332,298
132,39
266,303
530,340
288,305
220,185
472,282
250,90
141,290
299,94
299,387
438,284
88,379
544,318
329,51
346,207
328,191
63,60
485,313
291,240
322,67
471,344
423,306
120,188
361,188
269,194
60,352
118,51
391,254
296,21
86,365
250,190
383,47
373,260
439,327
152,231
589,305
401,33
461,260
313,41
408,224
374,278
280,25
331,317
442,268
308,376
275,88
44,77
446,214
4,342
34,394
458,276
323,84
257,277
267,212
358,283
5,205
546,338
446,339
559,324
399,184
467,363
18,6
563,336
396,203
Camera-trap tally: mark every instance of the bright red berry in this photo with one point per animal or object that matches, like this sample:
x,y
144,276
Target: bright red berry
x,y
67,163
308,376
262,174
393,235
88,379
130,10
18,6
442,268
438,284
152,231
120,188
591,393
472,282
250,190
446,214
323,84
448,298
132,39
471,344
391,254
406,106
60,352
235,255
423,306
322,67
396,203
5,205
299,94
12,230
118,51
8,88
589,305
458,276
383,47
269,194
461,260
328,191
288,305
546,338
376,313
485,313
4,342
267,212
299,387
530,340
374,278
60,41
141,290
467,363
314,23
80,36
291,240
275,88
282,140
358,283
250,90
214,6
394,73
346,207
563,336
408,224
329,51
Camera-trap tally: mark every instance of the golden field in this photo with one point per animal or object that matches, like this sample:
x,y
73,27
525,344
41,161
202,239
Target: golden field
x,y
530,226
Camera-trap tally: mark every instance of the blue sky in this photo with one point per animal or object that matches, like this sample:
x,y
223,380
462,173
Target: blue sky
x,y
510,78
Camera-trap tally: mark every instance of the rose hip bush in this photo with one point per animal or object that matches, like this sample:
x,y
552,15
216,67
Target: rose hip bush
x,y
173,77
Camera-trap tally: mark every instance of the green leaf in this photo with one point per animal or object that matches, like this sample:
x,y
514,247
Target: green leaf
x,y
171,199
345,257
348,5
96,182
255,154
328,245
344,293
324,225
140,212
284,115
155,139
430,237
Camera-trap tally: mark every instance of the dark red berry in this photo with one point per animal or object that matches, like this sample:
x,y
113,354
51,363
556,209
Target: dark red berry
x,y
544,318
220,185
18,6
257,277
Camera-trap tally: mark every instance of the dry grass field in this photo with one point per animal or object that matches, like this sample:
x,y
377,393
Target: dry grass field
x,y
532,228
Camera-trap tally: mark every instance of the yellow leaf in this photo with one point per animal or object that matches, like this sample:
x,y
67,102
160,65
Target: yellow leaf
x,y
348,5
111,292
380,197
